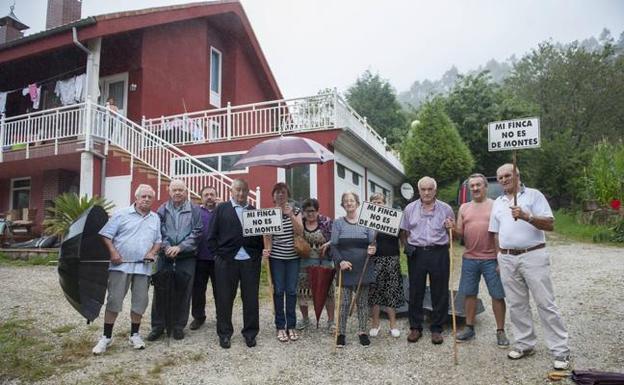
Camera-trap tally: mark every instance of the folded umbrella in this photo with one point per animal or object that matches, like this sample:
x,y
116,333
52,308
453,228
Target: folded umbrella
x,y
319,279
285,151
83,263
594,377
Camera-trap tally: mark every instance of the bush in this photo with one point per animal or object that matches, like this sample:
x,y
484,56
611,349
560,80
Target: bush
x,y
67,207
605,174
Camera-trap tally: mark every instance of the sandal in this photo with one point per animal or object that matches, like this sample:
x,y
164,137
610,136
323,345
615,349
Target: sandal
x,y
292,334
282,336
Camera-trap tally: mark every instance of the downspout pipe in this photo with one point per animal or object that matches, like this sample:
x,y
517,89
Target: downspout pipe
x,y
77,42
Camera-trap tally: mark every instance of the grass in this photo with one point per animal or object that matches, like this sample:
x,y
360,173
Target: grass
x,y
28,353
44,260
567,226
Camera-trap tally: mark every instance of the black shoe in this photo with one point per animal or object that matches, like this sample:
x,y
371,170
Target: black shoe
x,y
155,334
197,323
342,341
178,334
225,343
364,340
251,342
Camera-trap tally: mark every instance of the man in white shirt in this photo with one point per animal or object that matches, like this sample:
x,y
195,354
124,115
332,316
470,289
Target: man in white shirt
x,y
525,266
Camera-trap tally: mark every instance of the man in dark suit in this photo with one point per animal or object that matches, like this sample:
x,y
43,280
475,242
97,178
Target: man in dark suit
x,y
237,260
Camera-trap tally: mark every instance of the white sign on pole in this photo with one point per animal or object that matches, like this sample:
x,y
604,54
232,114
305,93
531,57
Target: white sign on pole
x,y
262,221
514,134
380,218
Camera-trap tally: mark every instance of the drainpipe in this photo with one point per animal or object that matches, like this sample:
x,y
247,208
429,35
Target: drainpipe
x,y
78,43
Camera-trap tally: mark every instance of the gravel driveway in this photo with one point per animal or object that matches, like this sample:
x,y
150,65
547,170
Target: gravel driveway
x,y
588,281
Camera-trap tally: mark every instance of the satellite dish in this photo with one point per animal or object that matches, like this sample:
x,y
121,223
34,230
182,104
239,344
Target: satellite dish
x,y
407,191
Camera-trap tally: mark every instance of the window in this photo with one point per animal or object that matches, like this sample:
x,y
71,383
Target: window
x,y
298,179
340,170
20,193
215,77
355,178
221,162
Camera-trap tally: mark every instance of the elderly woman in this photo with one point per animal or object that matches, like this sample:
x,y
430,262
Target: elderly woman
x,y
284,262
317,232
387,290
351,245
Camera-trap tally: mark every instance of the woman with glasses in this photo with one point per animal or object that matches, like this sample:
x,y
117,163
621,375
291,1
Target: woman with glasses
x,y
317,232
387,291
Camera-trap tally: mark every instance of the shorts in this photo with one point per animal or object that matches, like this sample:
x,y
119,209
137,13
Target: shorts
x,y
472,269
118,284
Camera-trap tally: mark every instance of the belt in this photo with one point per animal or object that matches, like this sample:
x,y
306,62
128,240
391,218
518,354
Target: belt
x,y
431,247
522,251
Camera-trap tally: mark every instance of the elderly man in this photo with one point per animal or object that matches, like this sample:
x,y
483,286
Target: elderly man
x,y
237,260
132,237
479,259
204,269
424,224
181,229
525,266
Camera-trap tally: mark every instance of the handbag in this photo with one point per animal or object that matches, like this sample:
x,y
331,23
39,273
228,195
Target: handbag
x,y
302,247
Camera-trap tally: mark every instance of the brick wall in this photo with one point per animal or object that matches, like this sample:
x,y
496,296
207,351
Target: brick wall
x,y
62,12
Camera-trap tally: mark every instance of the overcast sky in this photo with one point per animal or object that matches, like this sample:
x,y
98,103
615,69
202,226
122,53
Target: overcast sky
x,y
314,44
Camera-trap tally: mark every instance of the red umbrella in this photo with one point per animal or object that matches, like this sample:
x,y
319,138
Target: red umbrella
x,y
319,279
285,151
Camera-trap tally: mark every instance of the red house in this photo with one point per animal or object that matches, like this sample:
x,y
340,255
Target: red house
x,y
192,92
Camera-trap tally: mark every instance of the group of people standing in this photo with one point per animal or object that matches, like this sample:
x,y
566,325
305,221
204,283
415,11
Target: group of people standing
x,y
504,242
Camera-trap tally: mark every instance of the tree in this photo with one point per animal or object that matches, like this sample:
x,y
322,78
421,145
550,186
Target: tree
x,y
433,147
373,97
578,96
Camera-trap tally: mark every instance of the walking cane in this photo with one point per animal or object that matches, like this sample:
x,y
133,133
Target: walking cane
x,y
357,290
452,297
339,304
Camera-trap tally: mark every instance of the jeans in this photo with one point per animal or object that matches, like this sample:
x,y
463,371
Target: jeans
x,y
285,274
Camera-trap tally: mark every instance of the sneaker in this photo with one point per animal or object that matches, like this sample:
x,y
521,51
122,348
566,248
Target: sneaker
x,y
501,339
517,353
102,344
374,332
302,323
342,341
396,333
562,362
465,335
136,341
364,340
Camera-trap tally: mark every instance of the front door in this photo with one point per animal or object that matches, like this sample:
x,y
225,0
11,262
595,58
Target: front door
x,y
116,87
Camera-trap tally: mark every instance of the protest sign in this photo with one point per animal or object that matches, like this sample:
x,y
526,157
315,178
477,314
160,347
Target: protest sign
x,y
380,218
262,222
514,134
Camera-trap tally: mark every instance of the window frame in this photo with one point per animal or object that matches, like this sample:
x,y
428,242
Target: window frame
x,y
13,189
215,96
219,156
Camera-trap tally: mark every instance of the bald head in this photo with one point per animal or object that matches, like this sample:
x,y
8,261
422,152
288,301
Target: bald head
x,y
239,191
504,175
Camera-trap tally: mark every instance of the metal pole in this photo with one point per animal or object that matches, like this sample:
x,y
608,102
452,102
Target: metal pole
x,y
452,297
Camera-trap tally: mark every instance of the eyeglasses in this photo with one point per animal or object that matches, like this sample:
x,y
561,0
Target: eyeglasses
x,y
309,211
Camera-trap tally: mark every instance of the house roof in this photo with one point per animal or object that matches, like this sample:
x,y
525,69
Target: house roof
x,y
121,22
18,24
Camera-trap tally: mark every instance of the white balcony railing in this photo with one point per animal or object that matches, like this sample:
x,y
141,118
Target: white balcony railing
x,y
86,121
319,112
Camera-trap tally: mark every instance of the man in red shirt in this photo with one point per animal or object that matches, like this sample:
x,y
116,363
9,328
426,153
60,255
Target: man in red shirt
x,y
479,259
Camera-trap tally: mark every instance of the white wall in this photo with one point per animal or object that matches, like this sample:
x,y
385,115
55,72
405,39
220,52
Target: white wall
x,y
117,190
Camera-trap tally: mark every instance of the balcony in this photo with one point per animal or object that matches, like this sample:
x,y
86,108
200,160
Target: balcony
x,y
321,112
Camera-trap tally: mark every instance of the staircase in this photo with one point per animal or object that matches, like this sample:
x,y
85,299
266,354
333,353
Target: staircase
x,y
104,130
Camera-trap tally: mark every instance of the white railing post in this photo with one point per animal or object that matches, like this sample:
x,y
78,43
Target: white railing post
x,y
258,197
87,123
335,107
228,120
2,136
56,131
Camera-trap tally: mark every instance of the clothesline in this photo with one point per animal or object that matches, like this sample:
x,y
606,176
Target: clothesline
x,y
47,80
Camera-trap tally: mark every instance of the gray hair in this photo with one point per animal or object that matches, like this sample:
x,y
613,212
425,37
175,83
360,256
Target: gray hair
x,y
479,175
427,179
355,196
144,187
177,181
377,196
508,165
242,182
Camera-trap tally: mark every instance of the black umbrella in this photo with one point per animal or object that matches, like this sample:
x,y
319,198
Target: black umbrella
x,y
83,263
169,289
